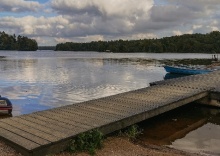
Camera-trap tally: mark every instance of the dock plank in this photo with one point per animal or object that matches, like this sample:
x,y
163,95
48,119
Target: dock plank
x,y
23,134
53,124
17,140
68,121
48,131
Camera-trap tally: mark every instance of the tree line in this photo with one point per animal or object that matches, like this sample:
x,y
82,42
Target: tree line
x,y
187,43
21,43
46,47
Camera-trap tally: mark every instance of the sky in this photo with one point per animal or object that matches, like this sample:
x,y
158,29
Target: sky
x,y
50,22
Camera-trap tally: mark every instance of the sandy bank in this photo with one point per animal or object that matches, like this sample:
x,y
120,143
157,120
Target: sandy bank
x,y
117,146
114,146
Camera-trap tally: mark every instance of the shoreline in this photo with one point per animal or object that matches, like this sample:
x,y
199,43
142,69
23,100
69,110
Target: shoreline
x,y
121,146
114,146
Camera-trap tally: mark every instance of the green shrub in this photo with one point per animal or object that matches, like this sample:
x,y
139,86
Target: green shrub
x,y
133,132
87,142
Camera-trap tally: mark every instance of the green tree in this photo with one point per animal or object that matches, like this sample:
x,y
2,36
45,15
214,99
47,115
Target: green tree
x,y
10,42
187,43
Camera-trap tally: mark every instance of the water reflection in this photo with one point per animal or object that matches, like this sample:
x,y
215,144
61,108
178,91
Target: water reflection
x,y
37,81
43,83
191,128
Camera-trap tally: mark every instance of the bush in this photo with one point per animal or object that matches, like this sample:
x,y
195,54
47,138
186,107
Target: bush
x,y
131,132
87,142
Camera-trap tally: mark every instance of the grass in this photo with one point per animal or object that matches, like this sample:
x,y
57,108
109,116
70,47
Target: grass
x,y
131,132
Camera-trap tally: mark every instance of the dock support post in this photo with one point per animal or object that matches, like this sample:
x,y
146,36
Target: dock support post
x,y
212,100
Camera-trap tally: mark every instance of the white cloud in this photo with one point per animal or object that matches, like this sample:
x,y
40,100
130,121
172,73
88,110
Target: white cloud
x,y
213,28
19,6
33,26
197,26
80,39
177,32
62,40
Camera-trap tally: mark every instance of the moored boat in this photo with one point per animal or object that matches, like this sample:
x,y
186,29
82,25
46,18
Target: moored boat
x,y
5,105
186,70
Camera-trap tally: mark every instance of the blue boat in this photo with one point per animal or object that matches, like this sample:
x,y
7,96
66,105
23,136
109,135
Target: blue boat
x,y
5,105
186,70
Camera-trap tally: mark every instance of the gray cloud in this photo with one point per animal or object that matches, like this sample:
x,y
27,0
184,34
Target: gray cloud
x,y
95,17
188,16
102,8
75,7
18,6
195,5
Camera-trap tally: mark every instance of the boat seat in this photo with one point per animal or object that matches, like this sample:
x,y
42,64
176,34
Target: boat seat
x,y
3,103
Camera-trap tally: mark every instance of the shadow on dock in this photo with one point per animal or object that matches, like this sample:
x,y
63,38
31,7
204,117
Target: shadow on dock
x,y
172,76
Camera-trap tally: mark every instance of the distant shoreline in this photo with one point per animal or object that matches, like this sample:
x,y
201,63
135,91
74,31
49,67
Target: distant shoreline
x,y
195,43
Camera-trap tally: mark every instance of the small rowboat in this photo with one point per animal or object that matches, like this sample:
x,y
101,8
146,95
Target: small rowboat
x,y
5,105
186,70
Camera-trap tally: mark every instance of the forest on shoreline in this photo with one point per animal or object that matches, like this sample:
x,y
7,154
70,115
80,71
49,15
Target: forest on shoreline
x,y
21,43
187,43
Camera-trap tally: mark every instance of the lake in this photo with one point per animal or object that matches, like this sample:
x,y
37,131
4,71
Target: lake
x,y
36,81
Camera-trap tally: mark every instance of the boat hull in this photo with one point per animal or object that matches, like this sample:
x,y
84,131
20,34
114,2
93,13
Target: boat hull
x,y
186,71
5,105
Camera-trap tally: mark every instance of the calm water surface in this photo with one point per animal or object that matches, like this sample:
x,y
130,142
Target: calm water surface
x,y
41,80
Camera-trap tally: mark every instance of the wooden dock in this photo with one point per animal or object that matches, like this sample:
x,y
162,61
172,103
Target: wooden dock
x,y
50,131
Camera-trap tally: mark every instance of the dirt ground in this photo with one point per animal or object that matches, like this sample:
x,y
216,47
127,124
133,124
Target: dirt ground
x,y
7,151
118,146
114,146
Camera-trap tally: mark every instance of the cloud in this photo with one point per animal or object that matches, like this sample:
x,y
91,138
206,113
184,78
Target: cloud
x,y
33,26
197,26
178,32
88,20
197,6
19,6
98,17
80,39
122,8
170,13
188,16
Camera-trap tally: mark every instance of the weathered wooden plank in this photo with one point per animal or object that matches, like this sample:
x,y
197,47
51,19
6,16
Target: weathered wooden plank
x,y
68,121
89,113
24,134
31,130
48,131
86,114
17,140
104,110
109,108
53,124
73,118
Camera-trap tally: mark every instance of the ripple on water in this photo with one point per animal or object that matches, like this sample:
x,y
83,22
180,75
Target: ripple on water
x,y
84,93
